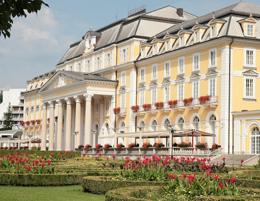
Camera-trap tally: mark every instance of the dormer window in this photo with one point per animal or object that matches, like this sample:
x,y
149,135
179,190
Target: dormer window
x,y
154,49
79,67
98,62
181,41
143,53
167,45
88,65
196,37
213,31
70,68
250,30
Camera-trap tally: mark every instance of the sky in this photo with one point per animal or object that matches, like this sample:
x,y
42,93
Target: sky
x,y
39,41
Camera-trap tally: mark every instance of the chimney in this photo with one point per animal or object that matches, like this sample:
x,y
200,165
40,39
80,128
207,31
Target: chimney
x,y
180,12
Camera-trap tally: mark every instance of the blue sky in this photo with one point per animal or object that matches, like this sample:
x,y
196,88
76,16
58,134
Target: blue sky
x,y
39,41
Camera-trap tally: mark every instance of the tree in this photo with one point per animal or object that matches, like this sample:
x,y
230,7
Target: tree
x,y
8,116
16,8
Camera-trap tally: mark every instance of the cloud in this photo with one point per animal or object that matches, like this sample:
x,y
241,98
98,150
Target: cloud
x,y
36,45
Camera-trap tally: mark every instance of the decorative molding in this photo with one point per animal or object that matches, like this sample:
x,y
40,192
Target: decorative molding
x,y
68,101
77,99
88,97
59,102
44,106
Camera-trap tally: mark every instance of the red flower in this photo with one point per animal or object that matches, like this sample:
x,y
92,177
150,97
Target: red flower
x,y
216,177
242,161
61,156
220,185
51,154
107,158
171,176
233,180
17,169
137,168
100,154
114,156
49,162
84,155
223,159
66,152
96,158
71,154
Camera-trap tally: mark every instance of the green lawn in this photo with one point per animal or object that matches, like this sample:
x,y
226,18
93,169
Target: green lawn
x,y
59,193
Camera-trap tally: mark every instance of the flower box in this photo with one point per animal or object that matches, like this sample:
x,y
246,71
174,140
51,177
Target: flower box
x,y
146,145
172,103
116,110
32,122
183,144
120,145
146,107
204,99
98,146
158,145
81,146
187,101
158,105
27,123
48,120
87,146
132,145
216,146
201,145
21,123
38,121
135,108
107,146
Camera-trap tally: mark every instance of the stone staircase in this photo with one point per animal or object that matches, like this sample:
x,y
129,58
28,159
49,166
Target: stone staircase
x,y
231,159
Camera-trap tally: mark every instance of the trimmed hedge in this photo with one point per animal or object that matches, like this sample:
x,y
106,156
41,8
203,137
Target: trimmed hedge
x,y
40,179
130,193
100,185
56,154
248,183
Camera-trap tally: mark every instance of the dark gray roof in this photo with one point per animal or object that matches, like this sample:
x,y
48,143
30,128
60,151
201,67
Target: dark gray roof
x,y
86,76
237,8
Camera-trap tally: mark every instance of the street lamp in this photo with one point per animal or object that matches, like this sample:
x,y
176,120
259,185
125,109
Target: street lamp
x,y
76,133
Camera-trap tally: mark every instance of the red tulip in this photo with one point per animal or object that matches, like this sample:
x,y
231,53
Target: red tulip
x,y
84,155
66,152
71,154
61,156
51,154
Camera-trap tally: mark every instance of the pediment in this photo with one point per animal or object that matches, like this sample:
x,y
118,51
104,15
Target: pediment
x,y
250,73
60,79
212,73
250,19
195,76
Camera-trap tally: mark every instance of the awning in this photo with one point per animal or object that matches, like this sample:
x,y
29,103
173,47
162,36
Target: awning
x,y
195,133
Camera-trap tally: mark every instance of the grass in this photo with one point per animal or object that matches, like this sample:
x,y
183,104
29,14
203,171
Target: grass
x,y
59,193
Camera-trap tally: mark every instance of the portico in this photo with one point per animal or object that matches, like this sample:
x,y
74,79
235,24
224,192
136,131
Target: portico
x,y
72,100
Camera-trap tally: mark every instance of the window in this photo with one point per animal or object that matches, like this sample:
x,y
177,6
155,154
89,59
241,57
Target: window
x,y
107,107
166,94
154,72
142,75
96,108
154,49
250,30
212,58
196,121
141,98
255,141
98,62
195,89
123,77
250,58
196,62
166,124
181,123
37,114
122,100
167,45
196,37
180,92
88,65
167,69
181,66
154,96
124,55
213,31
249,88
143,53
181,41
212,87
70,68
79,67
108,59
154,125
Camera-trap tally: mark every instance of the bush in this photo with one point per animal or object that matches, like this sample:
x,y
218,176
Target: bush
x,y
100,185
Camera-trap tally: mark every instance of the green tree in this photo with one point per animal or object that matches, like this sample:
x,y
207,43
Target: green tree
x,y
8,118
16,8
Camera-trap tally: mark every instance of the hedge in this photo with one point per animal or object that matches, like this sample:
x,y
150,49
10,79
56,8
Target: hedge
x,y
101,184
56,154
40,179
248,183
130,193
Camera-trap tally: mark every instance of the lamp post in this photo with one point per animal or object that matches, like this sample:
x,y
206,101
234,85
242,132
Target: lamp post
x,y
76,133
30,136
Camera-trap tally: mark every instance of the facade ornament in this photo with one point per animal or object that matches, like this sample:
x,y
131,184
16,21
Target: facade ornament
x,y
59,102
62,80
44,106
88,97
51,104
68,101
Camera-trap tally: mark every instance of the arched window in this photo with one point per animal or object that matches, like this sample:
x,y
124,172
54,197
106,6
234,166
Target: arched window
x,y
166,124
196,121
154,125
142,126
181,123
107,128
255,141
212,122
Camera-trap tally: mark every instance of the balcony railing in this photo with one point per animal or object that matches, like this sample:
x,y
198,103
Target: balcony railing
x,y
120,112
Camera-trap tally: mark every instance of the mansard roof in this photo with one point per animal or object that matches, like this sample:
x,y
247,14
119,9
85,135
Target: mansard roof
x,y
143,25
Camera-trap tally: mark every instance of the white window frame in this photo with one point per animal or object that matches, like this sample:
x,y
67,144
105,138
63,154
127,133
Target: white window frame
x,y
169,65
252,78
213,32
254,57
32,100
179,59
124,55
38,99
181,41
123,100
154,77
167,45
209,86
143,52
197,36
142,80
88,65
178,92
108,59
166,96
193,63
198,89
141,96
213,50
152,93
247,28
154,49
123,78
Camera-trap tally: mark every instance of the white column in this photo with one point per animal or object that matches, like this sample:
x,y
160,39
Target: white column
x,y
68,125
243,136
101,115
78,120
112,116
88,98
236,136
44,127
59,127
51,126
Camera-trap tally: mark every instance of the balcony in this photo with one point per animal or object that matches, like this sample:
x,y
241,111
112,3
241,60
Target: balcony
x,y
120,112
209,101
178,107
195,104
